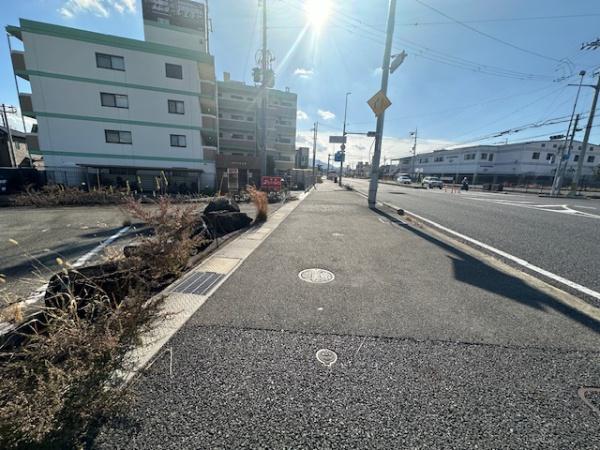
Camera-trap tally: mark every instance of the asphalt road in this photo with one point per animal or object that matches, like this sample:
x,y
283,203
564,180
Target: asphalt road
x,y
436,349
558,235
44,234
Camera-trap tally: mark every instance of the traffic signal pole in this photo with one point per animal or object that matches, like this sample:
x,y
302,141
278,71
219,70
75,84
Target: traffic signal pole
x,y
380,119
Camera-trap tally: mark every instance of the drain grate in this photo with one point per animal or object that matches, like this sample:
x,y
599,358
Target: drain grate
x,y
197,283
316,276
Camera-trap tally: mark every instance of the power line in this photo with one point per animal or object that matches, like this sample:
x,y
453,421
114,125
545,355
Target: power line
x,y
508,19
489,36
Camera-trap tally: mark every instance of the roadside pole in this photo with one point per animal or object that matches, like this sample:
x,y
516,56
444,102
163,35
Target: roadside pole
x,y
315,131
328,159
414,150
343,146
381,117
586,138
13,157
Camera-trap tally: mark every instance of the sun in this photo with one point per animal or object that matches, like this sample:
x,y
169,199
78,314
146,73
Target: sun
x,y
317,12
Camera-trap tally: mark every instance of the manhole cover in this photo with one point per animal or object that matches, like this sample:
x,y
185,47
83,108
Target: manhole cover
x,y
326,357
590,396
316,276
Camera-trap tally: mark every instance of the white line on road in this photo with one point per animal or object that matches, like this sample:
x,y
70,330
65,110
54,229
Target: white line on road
x,y
515,259
41,291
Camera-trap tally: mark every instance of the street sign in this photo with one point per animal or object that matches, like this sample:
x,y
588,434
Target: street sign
x,y
398,59
371,133
343,147
270,184
379,103
337,139
339,156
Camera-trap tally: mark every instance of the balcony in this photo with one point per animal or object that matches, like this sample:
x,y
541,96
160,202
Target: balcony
x,y
209,122
26,105
237,144
18,61
208,106
208,89
210,153
206,72
32,142
236,125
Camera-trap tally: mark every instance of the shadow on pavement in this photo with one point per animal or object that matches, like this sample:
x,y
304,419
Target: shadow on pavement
x,y
470,270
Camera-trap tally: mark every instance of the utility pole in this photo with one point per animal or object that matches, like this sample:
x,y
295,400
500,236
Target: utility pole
x,y
560,169
380,119
414,149
328,159
586,138
12,110
343,146
315,131
264,84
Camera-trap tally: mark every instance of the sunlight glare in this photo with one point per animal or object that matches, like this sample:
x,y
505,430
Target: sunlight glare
x,y
317,12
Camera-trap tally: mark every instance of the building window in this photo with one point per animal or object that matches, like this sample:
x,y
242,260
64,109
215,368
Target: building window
x,y
554,146
535,155
237,136
469,156
174,71
220,134
220,115
178,140
283,140
591,159
250,137
112,62
591,149
237,117
117,137
176,107
250,119
576,158
549,156
491,157
237,97
579,148
543,145
114,100
483,156
438,159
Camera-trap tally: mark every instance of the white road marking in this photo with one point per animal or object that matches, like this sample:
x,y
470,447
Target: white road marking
x,y
41,291
521,262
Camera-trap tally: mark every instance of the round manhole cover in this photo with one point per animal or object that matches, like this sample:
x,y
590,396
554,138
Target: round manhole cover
x,y
316,276
326,357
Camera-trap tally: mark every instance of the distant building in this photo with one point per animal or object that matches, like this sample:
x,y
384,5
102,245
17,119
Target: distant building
x,y
302,157
363,169
110,108
502,163
18,157
240,130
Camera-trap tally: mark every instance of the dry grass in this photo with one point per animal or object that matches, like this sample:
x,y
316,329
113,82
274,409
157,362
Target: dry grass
x,y
261,203
59,385
57,195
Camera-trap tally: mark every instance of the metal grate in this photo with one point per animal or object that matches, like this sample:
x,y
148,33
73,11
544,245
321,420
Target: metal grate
x,y
197,283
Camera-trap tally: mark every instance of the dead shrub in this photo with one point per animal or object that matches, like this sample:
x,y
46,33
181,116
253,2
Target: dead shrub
x,y
60,383
261,202
58,195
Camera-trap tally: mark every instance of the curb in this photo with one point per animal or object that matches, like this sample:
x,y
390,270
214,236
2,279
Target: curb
x,y
187,294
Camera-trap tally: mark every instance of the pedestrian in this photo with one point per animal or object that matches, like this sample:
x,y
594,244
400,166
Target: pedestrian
x,y
465,184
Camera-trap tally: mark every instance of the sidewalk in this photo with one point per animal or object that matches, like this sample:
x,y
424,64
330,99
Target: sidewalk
x,y
435,349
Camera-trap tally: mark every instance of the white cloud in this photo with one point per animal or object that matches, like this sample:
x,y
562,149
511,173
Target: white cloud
x,y
377,72
301,115
360,148
304,73
99,8
326,115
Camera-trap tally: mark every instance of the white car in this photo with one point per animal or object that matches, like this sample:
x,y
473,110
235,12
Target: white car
x,y
431,182
403,179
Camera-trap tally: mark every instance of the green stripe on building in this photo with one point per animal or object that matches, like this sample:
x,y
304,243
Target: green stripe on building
x,y
117,156
168,26
106,82
48,29
120,121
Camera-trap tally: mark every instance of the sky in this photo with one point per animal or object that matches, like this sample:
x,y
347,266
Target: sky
x,y
475,68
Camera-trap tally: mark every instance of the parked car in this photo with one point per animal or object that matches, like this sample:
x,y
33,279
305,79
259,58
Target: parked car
x,y
403,179
431,182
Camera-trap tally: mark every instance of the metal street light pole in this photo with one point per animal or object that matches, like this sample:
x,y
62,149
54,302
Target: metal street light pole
x,y
380,119
586,138
343,146
315,131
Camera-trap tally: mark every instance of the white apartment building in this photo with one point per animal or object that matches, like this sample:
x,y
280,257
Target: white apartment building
x,y
534,160
113,109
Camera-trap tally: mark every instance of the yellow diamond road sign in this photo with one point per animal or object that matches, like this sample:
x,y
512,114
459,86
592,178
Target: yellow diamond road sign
x,y
379,103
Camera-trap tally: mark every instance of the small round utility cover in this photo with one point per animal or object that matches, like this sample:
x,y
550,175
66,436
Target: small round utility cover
x,y
326,357
316,276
